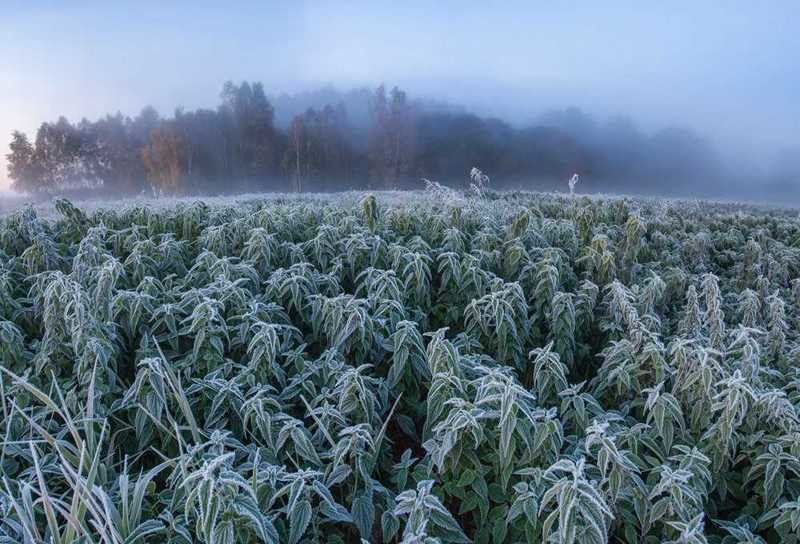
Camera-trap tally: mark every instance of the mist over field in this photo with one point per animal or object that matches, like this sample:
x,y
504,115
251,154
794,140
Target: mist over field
x,y
679,100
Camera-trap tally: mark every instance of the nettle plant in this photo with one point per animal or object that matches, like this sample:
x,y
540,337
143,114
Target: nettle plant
x,y
435,367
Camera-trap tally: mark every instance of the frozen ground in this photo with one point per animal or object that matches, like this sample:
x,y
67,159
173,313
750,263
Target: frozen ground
x,y
10,201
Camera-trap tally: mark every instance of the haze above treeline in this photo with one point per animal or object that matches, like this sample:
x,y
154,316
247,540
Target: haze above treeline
x,y
328,140
707,93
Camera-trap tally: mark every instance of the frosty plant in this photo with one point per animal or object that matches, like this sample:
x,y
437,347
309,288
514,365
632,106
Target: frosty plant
x,y
427,368
573,181
480,181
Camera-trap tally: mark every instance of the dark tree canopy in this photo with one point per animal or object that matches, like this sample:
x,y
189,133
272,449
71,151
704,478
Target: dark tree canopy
x,y
383,139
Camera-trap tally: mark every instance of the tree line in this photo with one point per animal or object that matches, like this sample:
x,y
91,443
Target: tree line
x,y
376,139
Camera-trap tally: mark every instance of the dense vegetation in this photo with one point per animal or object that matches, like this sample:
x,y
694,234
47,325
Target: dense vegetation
x,y
419,368
381,139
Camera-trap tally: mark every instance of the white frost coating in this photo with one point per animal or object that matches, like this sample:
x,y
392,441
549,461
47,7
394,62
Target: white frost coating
x,y
573,181
480,181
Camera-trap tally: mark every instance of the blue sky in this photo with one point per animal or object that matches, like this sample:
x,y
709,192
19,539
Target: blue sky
x,y
727,69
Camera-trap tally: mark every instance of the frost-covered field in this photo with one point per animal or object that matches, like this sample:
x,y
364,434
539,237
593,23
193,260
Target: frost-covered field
x,y
415,367
44,206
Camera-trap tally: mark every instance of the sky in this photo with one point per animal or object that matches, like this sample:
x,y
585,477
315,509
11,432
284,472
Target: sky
x,y
727,69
